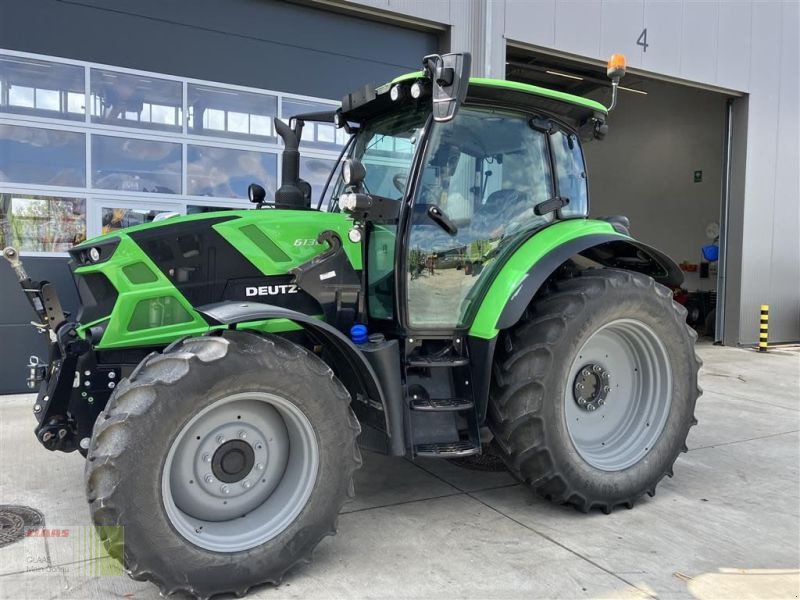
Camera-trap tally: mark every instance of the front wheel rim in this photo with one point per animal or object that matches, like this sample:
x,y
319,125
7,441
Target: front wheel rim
x,y
618,395
240,471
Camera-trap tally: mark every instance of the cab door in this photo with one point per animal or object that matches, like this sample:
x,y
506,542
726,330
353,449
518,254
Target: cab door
x,y
486,171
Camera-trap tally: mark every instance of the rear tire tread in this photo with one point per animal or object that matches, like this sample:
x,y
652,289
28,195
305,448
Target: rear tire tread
x,y
520,430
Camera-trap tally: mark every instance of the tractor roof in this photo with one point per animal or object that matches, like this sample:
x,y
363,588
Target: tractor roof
x,y
523,95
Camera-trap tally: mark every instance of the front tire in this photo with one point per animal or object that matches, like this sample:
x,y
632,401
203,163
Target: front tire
x,y
593,393
225,459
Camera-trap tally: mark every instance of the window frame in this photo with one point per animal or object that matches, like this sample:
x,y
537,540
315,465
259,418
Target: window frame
x,y
560,128
407,222
183,136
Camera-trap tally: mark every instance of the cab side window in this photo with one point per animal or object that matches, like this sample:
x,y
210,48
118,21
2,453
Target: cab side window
x,y
570,173
487,170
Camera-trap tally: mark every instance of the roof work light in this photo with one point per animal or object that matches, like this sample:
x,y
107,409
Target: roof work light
x,y
615,72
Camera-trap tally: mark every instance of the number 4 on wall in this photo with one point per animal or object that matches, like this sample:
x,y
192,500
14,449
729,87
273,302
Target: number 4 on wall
x,y
642,40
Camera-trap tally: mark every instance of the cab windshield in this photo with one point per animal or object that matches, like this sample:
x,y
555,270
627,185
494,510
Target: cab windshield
x,y
385,147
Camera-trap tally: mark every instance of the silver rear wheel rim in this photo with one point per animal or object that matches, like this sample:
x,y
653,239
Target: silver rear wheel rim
x,y
240,472
618,395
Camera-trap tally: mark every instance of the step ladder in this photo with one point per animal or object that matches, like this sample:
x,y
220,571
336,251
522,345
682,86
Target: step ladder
x,y
440,407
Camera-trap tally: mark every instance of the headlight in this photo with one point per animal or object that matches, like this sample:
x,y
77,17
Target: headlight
x,y
94,254
353,172
419,89
348,202
396,92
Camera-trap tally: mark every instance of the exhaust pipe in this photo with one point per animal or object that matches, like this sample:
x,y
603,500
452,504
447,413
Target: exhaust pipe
x,y
290,195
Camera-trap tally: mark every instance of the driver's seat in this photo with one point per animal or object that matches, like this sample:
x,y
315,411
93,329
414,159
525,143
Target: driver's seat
x,y
500,207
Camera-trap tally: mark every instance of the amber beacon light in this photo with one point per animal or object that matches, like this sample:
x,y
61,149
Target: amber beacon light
x,y
615,72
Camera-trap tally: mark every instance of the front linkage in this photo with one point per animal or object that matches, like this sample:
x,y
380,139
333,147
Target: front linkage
x,y
72,387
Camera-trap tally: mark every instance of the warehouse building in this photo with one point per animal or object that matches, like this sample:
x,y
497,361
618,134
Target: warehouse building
x,y
113,113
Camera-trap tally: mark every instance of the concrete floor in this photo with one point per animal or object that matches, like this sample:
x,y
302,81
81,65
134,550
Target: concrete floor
x,y
726,526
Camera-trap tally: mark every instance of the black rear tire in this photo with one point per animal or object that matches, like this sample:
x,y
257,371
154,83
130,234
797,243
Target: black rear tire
x,y
532,388
148,414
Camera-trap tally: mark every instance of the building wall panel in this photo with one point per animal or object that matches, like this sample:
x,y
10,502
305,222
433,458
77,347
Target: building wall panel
x,y
577,27
785,242
663,20
699,41
760,188
733,45
532,21
622,25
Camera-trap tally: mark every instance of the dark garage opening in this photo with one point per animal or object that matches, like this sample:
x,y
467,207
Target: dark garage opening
x,y
663,165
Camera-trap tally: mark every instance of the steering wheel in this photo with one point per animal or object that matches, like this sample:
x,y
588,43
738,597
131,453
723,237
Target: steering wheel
x,y
399,180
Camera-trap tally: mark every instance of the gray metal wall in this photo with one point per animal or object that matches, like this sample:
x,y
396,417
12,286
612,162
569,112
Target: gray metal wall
x,y
258,43
749,46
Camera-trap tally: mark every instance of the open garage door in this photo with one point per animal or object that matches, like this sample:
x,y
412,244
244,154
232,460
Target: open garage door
x,y
664,165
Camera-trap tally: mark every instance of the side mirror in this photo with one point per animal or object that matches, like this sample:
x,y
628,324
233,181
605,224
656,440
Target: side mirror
x,y
449,74
256,193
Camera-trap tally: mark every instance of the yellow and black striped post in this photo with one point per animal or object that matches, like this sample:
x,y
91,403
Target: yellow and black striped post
x,y
763,334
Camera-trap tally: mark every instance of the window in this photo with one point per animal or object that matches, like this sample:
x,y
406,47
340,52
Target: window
x,y
38,87
315,171
136,165
41,223
136,101
87,148
315,135
42,156
570,172
486,170
226,173
386,147
230,113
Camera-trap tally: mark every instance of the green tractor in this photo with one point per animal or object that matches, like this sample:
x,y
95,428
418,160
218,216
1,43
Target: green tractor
x,y
453,300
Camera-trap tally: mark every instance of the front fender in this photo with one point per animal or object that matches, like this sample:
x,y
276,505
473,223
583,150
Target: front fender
x,y
537,259
347,357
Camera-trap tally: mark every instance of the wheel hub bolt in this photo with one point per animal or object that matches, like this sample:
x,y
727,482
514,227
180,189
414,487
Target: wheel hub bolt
x,y
220,439
225,489
246,484
243,435
259,467
259,445
206,457
209,479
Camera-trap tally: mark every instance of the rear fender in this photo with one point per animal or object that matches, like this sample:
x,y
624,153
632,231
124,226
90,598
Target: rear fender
x,y
606,249
503,307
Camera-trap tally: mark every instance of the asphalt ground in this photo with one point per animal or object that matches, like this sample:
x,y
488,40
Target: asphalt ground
x,y
726,526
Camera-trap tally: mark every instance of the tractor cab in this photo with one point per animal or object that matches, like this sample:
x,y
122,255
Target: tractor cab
x,y
446,177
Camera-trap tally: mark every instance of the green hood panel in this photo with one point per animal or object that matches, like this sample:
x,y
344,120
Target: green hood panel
x,y
273,241
516,268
